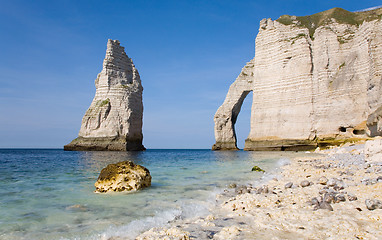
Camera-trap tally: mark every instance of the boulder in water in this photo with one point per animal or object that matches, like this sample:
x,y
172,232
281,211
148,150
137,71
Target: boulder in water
x,y
123,176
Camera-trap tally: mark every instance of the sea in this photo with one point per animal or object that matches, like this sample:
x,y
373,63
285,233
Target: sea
x,y
49,193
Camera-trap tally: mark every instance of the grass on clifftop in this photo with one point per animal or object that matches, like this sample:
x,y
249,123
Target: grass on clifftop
x,y
314,21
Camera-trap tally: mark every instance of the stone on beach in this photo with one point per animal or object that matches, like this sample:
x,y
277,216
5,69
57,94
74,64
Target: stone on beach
x,y
340,198
373,204
323,180
288,185
228,233
332,182
164,234
352,197
123,176
305,183
373,150
257,169
325,205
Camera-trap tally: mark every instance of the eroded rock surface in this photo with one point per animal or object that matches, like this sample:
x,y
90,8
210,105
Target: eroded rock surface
x,y
316,81
373,151
123,176
165,234
114,118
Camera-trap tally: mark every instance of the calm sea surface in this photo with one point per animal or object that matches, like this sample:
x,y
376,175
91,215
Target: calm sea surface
x,y
49,194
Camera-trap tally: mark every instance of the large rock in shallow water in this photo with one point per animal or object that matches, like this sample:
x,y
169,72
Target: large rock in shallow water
x,y
123,176
113,121
315,82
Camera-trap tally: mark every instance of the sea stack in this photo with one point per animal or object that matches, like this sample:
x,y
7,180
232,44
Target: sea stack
x,y
113,121
316,81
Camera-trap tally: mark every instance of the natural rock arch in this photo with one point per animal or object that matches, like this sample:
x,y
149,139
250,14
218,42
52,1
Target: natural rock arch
x,y
312,87
226,116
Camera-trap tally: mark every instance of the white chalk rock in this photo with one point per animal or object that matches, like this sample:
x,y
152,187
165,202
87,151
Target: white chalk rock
x,y
114,118
373,150
313,83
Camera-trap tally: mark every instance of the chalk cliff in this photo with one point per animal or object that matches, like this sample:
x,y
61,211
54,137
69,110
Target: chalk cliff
x,y
114,119
316,80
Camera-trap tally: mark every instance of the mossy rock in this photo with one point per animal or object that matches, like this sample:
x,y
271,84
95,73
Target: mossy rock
x,y
257,169
326,143
123,176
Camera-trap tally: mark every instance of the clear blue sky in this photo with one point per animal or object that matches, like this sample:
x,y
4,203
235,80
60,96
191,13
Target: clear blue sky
x,y
187,53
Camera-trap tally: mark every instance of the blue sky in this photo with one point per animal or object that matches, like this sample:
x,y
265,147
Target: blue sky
x,y
187,53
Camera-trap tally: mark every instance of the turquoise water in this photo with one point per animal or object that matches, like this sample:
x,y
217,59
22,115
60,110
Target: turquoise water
x,y
49,194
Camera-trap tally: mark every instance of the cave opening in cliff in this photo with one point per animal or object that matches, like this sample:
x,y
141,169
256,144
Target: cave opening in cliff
x,y
243,122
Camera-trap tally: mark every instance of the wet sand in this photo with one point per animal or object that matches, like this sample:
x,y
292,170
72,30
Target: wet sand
x,y
331,194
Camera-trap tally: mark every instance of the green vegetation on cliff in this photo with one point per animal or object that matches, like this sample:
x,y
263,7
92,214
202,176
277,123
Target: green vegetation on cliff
x,y
312,22
104,102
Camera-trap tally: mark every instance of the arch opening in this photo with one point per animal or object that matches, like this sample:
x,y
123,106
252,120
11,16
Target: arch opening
x,y
242,125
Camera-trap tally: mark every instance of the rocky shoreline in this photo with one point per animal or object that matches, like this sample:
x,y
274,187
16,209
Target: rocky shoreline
x,y
330,194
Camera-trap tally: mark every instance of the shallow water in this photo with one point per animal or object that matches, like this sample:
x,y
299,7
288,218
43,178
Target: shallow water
x,y
49,194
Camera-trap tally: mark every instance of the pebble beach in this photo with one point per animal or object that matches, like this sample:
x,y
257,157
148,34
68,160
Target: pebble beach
x,y
330,194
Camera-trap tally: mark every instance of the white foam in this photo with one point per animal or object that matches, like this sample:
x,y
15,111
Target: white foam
x,y
187,210
192,210
134,228
274,173
283,161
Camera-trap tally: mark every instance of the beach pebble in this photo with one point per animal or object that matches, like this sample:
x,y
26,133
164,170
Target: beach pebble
x,y
339,185
324,205
352,197
340,198
242,189
372,204
329,197
228,233
379,179
322,191
368,181
330,190
263,189
323,180
314,201
232,185
163,233
257,169
332,182
305,183
288,185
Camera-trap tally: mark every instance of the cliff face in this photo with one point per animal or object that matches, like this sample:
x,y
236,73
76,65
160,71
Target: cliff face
x,y
315,80
114,118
